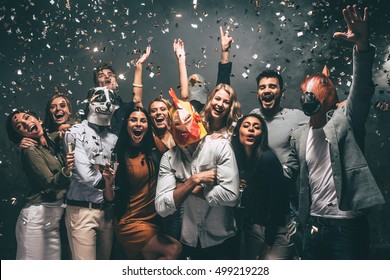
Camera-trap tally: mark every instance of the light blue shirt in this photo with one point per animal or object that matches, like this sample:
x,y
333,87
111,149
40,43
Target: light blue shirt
x,y
92,147
211,220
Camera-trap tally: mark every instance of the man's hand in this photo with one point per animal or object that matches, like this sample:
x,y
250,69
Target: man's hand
x,y
207,177
357,28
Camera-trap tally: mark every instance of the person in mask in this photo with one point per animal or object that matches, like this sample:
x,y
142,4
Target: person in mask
x,y
199,173
104,75
336,186
88,216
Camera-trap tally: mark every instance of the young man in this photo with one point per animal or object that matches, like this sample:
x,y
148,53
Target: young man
x,y
104,76
88,217
336,185
201,174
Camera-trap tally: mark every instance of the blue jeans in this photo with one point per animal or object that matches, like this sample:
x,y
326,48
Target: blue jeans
x,y
336,239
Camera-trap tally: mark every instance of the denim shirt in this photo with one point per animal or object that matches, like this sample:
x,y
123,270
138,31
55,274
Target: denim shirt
x,y
210,220
92,147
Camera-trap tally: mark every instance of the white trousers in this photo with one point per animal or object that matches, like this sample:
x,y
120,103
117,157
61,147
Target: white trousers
x,y
37,231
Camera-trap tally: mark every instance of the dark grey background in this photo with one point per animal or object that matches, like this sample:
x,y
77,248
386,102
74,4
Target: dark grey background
x,y
46,44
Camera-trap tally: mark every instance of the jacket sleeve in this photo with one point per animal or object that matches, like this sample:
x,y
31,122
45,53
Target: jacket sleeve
x,y
224,72
362,90
291,166
36,167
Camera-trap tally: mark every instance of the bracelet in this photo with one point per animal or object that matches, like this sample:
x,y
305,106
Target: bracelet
x,y
137,85
63,173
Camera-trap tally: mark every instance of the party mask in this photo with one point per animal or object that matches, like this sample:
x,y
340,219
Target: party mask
x,y
318,92
102,104
187,125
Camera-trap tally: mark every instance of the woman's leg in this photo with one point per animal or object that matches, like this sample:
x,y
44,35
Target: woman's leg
x,y
163,247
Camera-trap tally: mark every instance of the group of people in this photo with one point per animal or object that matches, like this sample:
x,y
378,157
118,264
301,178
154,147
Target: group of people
x,y
194,179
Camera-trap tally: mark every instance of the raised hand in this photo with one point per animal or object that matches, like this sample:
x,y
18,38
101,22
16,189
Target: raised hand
x,y
226,39
144,56
357,28
178,48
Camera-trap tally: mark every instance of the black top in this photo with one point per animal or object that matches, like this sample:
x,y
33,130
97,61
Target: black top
x,y
266,197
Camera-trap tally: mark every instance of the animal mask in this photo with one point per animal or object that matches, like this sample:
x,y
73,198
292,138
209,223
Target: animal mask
x,y
102,104
319,94
187,127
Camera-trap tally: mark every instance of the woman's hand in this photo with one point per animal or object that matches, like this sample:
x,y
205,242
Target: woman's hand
x,y
144,57
108,175
178,48
26,143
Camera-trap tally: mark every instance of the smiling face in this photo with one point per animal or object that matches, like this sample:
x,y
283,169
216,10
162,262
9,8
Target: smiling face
x,y
137,126
250,131
59,110
220,105
27,125
269,93
107,78
159,114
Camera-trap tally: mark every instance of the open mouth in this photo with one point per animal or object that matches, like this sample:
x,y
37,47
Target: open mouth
x,y
267,97
33,128
137,132
59,115
159,119
218,110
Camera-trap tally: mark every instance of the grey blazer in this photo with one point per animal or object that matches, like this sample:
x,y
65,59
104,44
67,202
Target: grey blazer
x,y
356,188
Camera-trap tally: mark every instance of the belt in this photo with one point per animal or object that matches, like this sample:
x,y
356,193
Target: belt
x,y
86,204
338,222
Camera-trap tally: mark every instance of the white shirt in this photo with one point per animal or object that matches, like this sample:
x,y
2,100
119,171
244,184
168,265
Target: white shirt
x,y
210,221
322,187
91,148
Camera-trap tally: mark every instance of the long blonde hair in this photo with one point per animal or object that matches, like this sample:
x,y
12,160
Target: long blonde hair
x,y
234,112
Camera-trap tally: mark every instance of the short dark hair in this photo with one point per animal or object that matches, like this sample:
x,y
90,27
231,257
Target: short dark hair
x,y
13,135
100,67
270,74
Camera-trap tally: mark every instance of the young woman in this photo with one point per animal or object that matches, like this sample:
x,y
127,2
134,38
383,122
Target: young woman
x,y
138,224
58,117
37,227
265,199
222,109
159,113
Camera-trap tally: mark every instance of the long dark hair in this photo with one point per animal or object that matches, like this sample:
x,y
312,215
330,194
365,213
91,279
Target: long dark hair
x,y
13,135
124,150
260,147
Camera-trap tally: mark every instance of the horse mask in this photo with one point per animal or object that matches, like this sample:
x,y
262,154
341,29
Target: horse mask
x,y
187,127
319,94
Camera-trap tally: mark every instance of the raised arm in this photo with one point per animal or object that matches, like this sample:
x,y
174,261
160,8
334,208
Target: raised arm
x,y
137,82
362,87
357,31
178,48
225,66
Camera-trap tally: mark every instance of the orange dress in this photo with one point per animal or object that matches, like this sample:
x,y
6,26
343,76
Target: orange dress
x,y
138,225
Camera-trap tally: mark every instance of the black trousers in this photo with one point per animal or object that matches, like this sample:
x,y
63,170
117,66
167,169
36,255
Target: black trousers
x,y
227,250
